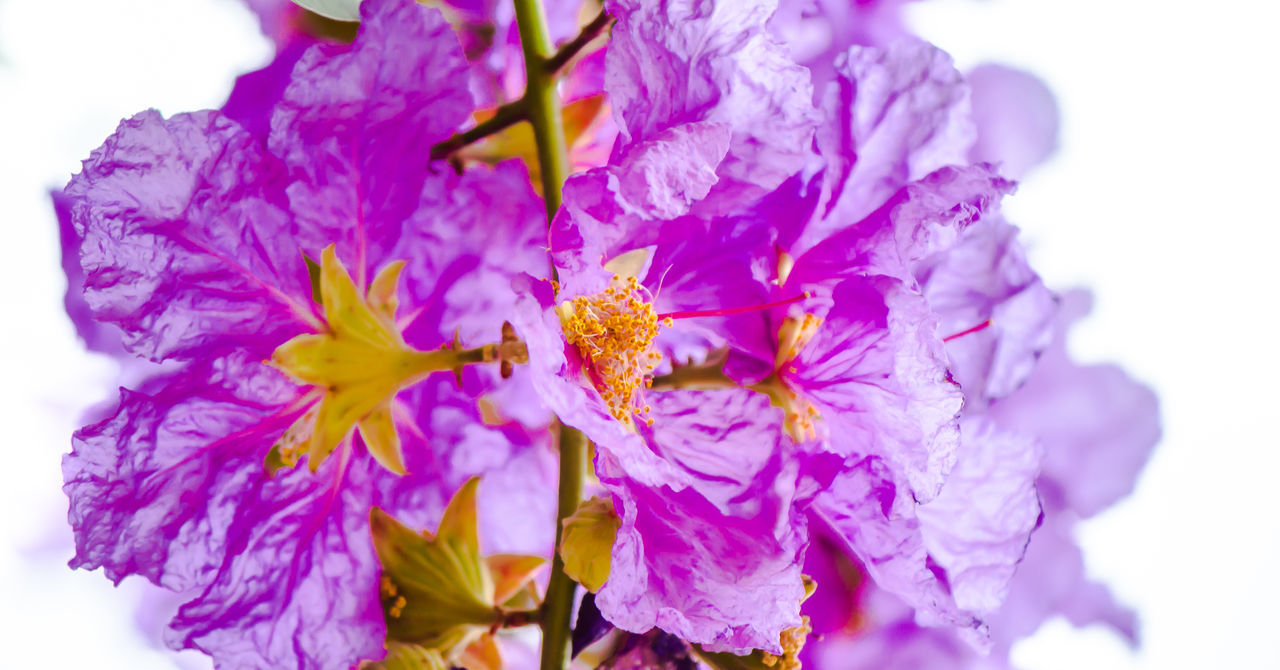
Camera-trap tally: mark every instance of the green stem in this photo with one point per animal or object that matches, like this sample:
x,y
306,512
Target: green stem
x,y
543,107
558,607
543,102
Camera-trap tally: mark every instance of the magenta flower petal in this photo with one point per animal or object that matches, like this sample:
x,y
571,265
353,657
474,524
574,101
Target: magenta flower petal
x,y
877,375
357,123
469,235
255,94
185,246
920,219
191,245
143,482
716,561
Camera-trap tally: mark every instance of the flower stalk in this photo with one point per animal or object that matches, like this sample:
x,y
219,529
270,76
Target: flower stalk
x,y
542,102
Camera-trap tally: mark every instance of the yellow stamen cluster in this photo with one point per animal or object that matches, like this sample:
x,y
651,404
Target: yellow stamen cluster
x,y
614,332
801,416
793,336
792,640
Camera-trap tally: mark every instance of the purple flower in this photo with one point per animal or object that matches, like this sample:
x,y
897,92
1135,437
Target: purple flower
x,y
194,236
857,373
901,252
680,488
1096,427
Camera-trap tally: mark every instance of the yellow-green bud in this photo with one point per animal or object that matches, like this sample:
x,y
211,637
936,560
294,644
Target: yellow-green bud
x,y
586,542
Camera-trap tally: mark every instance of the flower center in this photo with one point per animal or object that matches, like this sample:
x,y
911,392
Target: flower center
x,y
356,367
800,414
614,332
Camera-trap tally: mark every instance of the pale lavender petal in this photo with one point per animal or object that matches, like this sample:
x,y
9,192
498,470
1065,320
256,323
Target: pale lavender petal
x,y
1098,426
876,518
1052,581
1016,116
891,117
978,527
985,279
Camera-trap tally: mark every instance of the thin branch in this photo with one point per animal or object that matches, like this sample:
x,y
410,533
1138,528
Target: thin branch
x,y
571,48
507,115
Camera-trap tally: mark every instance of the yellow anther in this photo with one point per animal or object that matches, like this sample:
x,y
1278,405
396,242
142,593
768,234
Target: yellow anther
x,y
614,332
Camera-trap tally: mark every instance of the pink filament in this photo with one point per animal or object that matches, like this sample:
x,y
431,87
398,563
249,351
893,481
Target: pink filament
x,y
733,310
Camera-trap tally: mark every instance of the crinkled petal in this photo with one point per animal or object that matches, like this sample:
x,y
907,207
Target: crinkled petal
x,y
471,235
97,336
890,117
663,176
677,62
922,218
716,561
185,244
155,487
297,586
623,206
357,123
876,373
985,279
876,518
978,527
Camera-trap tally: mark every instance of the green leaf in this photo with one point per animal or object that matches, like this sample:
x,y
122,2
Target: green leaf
x,y
338,10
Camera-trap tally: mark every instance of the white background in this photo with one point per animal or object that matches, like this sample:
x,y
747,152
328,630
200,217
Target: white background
x,y
1162,199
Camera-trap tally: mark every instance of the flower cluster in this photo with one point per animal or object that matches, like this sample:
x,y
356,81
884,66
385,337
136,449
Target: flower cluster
x,y
823,390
